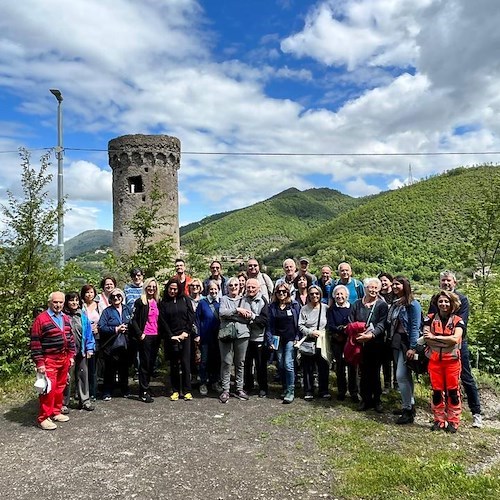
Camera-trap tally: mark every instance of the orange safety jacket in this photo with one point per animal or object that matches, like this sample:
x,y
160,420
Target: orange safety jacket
x,y
437,328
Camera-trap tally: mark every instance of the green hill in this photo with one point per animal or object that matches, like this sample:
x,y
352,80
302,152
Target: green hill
x,y
417,230
267,225
88,241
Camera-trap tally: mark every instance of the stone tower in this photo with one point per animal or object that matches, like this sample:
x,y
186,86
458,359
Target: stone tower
x,y
135,160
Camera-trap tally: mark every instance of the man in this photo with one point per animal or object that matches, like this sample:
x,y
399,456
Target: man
x,y
290,269
355,287
215,275
265,282
448,281
326,283
133,290
53,351
181,276
256,313
304,271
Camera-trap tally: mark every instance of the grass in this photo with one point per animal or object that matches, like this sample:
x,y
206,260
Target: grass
x,y
370,457
18,388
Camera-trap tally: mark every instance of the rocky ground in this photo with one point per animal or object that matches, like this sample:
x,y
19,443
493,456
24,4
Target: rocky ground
x,y
195,450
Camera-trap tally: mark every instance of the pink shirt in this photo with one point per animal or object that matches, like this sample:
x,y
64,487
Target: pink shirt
x,y
151,327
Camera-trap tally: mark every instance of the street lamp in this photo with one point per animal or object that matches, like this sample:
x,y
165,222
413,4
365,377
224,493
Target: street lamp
x,y
60,197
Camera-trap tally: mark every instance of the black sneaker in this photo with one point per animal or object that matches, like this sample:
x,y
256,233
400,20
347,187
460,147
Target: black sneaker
x,y
308,397
438,426
406,417
241,395
146,398
452,428
262,394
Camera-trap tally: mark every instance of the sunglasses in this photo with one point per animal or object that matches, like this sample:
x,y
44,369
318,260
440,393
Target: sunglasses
x,y
282,291
113,297
314,293
234,285
151,288
253,265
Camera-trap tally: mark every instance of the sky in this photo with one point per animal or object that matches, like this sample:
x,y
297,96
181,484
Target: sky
x,y
332,85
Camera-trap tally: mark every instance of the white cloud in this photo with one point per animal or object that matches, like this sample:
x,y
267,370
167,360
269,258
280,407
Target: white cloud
x,y
359,187
86,181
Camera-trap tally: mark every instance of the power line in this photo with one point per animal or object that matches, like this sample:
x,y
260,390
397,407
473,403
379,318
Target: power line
x,y
277,154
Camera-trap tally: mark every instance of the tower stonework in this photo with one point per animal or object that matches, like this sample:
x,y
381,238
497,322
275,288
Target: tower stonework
x,y
135,161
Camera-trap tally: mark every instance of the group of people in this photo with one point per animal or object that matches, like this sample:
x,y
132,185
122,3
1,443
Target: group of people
x,y
212,328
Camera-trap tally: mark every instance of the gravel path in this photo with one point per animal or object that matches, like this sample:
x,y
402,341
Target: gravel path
x,y
193,450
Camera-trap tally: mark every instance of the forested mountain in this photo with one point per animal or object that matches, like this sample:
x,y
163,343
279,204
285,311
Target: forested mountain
x,y
416,230
267,225
88,241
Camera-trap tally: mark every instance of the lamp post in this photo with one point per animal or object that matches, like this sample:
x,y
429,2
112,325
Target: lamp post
x,y
60,196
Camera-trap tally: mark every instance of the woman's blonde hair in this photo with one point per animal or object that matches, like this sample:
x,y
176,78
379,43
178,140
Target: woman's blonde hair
x,y
156,296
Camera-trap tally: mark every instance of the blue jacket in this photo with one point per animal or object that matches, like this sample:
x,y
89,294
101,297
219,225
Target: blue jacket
x,y
411,319
207,323
88,341
110,319
273,309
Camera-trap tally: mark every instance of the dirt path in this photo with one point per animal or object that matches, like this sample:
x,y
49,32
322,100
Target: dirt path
x,y
193,450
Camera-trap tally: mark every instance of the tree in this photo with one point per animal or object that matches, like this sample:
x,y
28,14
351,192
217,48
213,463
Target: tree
x,y
28,260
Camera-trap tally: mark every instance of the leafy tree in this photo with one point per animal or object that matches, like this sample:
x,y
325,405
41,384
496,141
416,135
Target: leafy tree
x,y
28,261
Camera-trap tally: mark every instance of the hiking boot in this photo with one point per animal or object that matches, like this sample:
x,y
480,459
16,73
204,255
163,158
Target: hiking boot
x,y
224,397
308,396
47,425
262,394
203,390
289,397
60,418
452,427
477,420
64,410
439,426
241,395
174,396
405,418
188,396
146,398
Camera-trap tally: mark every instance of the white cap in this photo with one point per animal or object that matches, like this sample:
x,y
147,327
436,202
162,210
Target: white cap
x,y
42,384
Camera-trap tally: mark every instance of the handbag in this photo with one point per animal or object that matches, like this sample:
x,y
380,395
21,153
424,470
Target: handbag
x,y
119,343
227,332
308,347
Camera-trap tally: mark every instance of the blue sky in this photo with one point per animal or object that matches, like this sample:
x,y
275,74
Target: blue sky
x,y
288,76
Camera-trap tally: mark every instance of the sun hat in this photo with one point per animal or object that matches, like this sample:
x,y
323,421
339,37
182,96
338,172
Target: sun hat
x,y
42,384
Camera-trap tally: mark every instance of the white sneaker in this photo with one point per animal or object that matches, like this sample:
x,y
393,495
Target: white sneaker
x,y
477,420
47,425
203,390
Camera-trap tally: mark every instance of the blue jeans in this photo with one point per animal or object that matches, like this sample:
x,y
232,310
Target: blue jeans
x,y
405,381
285,355
468,381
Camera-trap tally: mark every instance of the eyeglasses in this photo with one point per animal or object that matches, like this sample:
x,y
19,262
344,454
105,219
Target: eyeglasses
x,y
113,297
195,286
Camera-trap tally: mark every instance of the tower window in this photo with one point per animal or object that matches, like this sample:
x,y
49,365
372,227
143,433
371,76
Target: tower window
x,y
135,184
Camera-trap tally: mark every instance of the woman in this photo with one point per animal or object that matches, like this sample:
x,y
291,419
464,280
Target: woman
x,y
337,318
208,324
242,280
301,285
371,310
195,289
108,284
233,351
178,313
145,327
443,333
84,348
282,333
312,325
404,320
90,307
113,331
